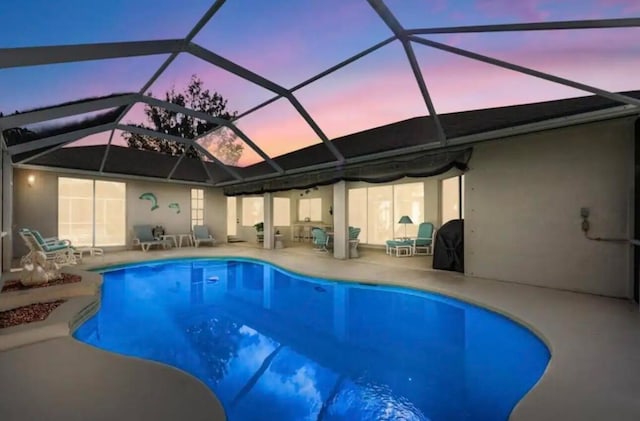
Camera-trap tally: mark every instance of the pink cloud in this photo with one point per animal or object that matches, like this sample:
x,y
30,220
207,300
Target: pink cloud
x,y
627,6
528,10
278,129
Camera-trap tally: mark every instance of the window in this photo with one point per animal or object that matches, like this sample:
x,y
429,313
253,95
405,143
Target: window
x,y
452,200
232,216
408,199
252,211
358,212
380,214
92,213
310,208
377,210
110,213
281,212
197,207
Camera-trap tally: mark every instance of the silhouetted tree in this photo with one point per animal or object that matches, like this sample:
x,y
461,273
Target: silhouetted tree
x,y
222,143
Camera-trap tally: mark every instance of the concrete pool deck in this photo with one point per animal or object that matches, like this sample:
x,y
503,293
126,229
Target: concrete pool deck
x,y
594,372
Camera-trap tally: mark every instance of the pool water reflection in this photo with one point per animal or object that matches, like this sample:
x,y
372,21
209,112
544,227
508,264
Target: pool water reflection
x,y
273,345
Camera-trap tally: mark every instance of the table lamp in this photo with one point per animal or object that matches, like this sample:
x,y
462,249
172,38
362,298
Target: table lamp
x,y
405,220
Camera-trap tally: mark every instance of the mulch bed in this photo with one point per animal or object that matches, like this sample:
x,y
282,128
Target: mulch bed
x,y
27,314
66,278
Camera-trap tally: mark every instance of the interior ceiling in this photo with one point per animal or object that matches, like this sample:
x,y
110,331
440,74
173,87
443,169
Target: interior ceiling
x,y
307,80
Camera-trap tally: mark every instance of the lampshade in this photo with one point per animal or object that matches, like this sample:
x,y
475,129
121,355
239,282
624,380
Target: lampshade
x,y
405,220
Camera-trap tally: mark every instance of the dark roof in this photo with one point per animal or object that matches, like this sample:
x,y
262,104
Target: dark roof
x,y
411,132
420,130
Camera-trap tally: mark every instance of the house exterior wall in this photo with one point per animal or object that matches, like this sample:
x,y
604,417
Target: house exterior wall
x,y
522,208
36,207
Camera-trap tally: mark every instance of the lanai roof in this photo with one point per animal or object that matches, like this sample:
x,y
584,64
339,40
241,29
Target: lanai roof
x,y
317,86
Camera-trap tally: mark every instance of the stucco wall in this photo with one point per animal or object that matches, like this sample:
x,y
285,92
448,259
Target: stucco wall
x,y
523,200
36,207
215,213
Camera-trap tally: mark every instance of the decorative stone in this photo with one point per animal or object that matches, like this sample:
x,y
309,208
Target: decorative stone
x,y
37,270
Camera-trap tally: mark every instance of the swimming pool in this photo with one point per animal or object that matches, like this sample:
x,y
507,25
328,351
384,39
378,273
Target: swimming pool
x,y
274,345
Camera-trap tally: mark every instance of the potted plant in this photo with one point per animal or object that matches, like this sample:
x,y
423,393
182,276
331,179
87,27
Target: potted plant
x,y
259,231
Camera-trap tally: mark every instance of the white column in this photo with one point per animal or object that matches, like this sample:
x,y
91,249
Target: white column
x,y
340,225
268,221
7,210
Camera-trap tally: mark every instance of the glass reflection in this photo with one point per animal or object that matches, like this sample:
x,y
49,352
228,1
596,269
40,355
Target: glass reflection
x,y
273,345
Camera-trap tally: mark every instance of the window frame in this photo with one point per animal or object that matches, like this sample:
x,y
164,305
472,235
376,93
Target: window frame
x,y
199,207
92,221
310,209
276,223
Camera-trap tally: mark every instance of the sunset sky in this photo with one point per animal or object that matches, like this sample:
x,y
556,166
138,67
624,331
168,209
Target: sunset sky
x,y
291,41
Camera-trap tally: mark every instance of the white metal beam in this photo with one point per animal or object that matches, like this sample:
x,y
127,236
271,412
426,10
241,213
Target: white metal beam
x,y
204,166
535,73
47,151
228,65
321,75
389,19
106,151
188,142
247,74
464,141
532,26
176,165
7,209
51,113
58,139
100,103
211,119
392,22
34,56
417,73
194,31
314,126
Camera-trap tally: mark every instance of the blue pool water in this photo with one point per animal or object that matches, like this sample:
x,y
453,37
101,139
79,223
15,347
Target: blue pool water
x,y
274,345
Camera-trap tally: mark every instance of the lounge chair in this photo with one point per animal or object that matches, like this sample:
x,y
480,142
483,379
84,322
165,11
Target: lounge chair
x,y
59,251
144,237
201,235
320,239
354,232
423,242
419,245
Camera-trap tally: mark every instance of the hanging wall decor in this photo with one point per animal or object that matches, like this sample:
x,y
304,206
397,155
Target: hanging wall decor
x,y
151,197
175,206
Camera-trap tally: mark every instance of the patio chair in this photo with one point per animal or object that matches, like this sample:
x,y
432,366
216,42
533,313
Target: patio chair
x,y
201,235
56,250
320,239
354,232
144,237
423,242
